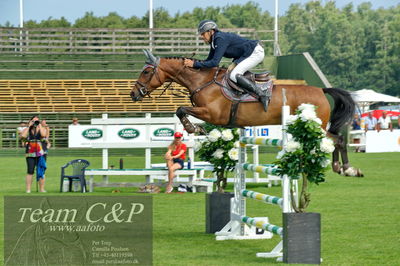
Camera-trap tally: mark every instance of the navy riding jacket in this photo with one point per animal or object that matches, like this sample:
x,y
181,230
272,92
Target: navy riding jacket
x,y
226,44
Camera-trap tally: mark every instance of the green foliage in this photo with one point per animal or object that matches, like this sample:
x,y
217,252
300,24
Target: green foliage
x,y
355,49
306,153
224,140
220,148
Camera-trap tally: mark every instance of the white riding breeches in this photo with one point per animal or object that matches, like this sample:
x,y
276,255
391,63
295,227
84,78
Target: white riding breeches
x,y
254,59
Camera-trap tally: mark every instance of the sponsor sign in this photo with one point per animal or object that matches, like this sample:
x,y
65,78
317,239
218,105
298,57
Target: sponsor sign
x,y
128,133
92,133
84,136
274,132
163,132
382,141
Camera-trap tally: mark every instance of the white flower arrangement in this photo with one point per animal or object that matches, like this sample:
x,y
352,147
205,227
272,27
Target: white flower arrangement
x,y
226,134
233,154
306,106
291,119
236,144
327,145
214,135
218,154
197,146
306,151
308,114
220,148
305,154
325,163
292,146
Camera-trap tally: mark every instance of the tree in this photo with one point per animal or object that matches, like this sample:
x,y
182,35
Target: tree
x,y
112,21
88,21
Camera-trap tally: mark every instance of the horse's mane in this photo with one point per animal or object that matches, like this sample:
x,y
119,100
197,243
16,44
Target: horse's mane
x,y
183,58
175,57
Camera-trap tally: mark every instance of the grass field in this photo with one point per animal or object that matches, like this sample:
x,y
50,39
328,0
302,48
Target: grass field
x,y
360,216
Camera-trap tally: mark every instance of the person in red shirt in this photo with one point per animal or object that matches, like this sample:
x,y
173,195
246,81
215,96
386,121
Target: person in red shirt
x,y
175,158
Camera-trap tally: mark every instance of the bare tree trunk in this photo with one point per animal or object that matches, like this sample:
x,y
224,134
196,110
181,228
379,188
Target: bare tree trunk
x,y
221,181
304,196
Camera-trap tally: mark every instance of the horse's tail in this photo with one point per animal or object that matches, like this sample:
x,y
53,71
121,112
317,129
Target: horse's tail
x,y
343,110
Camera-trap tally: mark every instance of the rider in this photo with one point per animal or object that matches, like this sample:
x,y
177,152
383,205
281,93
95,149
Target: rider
x,y
246,54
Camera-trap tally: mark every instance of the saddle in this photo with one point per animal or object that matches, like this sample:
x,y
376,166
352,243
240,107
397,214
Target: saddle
x,y
236,94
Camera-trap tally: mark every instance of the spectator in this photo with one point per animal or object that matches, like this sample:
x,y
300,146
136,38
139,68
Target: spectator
x,y
75,122
384,122
370,122
45,141
175,157
34,152
356,125
398,122
22,126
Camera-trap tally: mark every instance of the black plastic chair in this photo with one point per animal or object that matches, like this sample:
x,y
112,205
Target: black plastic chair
x,y
74,171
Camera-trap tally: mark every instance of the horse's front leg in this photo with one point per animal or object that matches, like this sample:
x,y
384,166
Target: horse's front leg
x,y
348,170
198,112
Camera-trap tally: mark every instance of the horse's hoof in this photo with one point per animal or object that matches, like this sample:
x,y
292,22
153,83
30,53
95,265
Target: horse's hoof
x,y
190,128
200,130
336,167
359,173
351,171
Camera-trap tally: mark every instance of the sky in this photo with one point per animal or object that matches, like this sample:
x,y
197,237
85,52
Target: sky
x,y
72,9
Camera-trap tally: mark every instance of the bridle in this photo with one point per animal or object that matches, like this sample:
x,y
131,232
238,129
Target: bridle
x,y
143,90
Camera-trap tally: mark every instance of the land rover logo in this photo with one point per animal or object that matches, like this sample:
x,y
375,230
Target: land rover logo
x,y
128,133
163,132
92,133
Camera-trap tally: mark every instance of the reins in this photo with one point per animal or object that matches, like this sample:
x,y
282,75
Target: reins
x,y
169,85
144,91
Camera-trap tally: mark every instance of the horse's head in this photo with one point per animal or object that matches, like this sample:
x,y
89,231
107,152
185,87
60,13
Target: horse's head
x,y
149,79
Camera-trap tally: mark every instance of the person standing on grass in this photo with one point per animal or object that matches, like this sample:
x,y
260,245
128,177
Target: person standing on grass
x,y
175,157
45,141
356,125
34,152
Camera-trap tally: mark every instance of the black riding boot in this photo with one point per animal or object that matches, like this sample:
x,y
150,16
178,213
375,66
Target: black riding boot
x,y
252,88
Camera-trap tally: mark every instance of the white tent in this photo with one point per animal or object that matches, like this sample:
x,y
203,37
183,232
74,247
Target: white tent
x,y
366,97
371,97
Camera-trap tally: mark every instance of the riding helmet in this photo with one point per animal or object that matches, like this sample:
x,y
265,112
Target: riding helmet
x,y
206,25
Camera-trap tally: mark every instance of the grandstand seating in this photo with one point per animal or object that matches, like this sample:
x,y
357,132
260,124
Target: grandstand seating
x,y
73,96
70,96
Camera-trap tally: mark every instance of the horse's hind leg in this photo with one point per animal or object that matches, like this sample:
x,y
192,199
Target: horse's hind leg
x,y
341,150
336,167
198,112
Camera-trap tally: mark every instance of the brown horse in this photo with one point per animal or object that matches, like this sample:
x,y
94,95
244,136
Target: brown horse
x,y
210,105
